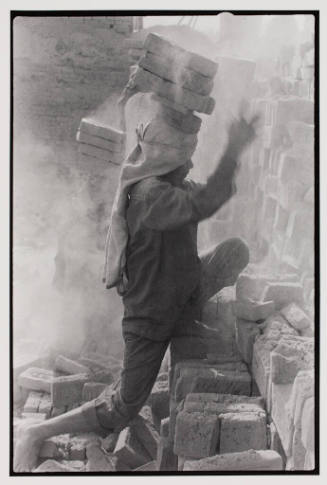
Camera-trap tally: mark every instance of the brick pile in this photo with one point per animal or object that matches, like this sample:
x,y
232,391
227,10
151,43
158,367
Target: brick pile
x,y
280,351
49,392
101,142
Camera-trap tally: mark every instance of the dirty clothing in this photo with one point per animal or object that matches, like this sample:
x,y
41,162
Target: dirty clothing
x,y
167,282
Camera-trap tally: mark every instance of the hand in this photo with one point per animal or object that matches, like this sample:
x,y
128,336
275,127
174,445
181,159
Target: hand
x,y
241,133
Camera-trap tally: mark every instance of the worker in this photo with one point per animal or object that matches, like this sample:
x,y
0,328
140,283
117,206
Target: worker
x,y
152,260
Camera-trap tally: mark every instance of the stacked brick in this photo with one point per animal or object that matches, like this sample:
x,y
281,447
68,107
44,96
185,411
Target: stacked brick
x,y
180,81
219,426
48,393
100,142
283,169
280,350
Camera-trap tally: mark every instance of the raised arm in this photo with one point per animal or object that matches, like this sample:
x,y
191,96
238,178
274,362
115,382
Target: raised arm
x,y
169,207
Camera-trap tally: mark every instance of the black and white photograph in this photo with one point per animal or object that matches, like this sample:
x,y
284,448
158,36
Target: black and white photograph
x,y
164,315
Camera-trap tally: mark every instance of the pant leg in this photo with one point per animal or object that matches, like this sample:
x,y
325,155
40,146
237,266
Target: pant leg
x,y
142,361
221,266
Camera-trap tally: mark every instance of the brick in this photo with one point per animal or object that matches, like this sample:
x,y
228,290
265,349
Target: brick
x,y
53,466
159,399
32,402
253,310
298,450
98,460
296,317
104,376
99,142
187,123
226,399
164,48
249,287
242,431
56,447
294,109
289,358
246,333
45,405
166,458
281,219
186,78
77,448
95,128
67,390
196,435
91,390
101,154
197,376
261,366
146,434
255,460
57,411
166,103
148,467
275,326
302,135
308,425
130,451
109,442
36,379
283,293
275,442
146,81
281,394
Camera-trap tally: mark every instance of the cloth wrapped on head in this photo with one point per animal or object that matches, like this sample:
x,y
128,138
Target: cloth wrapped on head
x,y
159,150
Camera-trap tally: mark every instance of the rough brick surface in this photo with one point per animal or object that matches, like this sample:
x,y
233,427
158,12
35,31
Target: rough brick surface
x,y
146,434
91,390
276,327
166,458
98,460
45,405
246,333
202,377
159,399
296,317
253,310
196,435
184,77
283,294
164,48
53,466
101,154
36,379
250,286
32,402
242,431
281,394
275,442
67,390
69,366
130,451
245,460
95,128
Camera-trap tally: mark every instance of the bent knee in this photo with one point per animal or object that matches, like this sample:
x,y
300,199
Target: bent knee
x,y
240,250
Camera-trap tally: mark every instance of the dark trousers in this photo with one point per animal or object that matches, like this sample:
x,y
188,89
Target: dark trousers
x,y
143,357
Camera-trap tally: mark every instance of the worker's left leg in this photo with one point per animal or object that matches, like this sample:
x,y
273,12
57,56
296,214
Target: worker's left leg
x,y
221,266
142,361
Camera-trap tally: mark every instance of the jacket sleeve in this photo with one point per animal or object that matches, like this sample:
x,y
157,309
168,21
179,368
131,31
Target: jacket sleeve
x,y
169,207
